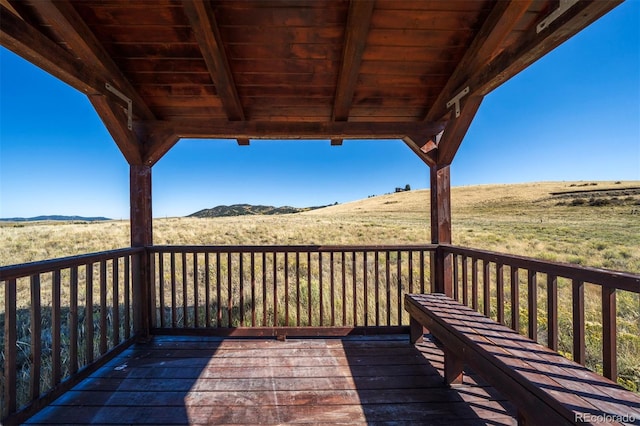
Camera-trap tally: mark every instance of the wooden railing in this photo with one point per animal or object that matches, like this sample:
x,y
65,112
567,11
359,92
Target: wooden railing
x,y
61,319
524,293
296,287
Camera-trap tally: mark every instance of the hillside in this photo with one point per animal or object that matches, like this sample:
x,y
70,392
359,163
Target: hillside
x,y
54,217
248,209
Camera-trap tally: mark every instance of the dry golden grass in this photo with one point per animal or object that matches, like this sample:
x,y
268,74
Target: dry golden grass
x,y
518,219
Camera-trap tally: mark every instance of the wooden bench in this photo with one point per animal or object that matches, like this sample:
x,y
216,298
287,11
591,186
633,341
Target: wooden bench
x,y
546,388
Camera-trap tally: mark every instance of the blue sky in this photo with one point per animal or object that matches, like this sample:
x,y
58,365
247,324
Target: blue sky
x,y
574,115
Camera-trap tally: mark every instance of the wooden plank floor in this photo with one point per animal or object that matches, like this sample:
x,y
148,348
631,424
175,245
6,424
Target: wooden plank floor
x,y
201,380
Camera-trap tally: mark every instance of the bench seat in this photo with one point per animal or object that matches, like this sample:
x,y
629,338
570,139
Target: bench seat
x,y
546,388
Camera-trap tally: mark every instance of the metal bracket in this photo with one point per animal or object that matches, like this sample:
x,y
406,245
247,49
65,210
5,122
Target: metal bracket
x,y
562,8
127,100
456,100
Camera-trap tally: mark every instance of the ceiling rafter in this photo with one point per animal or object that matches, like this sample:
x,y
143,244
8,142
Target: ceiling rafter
x,y
355,41
26,41
207,34
70,26
203,128
500,22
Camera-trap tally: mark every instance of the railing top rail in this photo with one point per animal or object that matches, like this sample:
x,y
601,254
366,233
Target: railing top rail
x,y
608,278
289,248
43,266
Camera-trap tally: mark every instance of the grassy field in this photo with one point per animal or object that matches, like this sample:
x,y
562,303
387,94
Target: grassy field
x,y
518,219
591,229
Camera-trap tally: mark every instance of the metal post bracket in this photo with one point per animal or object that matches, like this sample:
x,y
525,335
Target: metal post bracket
x,y
124,97
562,8
456,100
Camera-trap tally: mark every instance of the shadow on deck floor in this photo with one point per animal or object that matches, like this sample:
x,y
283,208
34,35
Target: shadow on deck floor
x,y
201,380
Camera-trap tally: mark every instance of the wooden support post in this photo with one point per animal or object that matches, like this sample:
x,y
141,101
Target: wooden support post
x,y
416,331
141,236
442,263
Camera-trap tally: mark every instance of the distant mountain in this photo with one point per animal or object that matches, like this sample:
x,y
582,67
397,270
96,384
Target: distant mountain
x,y
53,217
249,209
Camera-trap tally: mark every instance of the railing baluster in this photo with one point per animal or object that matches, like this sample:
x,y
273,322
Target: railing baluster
x,y
388,284
399,301
10,347
161,289
36,338
344,288
230,289
73,320
376,260
456,290
486,285
411,253
253,290
103,307
355,288
185,301
532,302
241,279
332,289
365,289
609,334
552,312
127,306
174,310
515,299
207,289
196,295
309,301
275,289
88,314
320,290
56,334
474,283
116,302
578,321
422,268
500,292
465,282
264,290
286,288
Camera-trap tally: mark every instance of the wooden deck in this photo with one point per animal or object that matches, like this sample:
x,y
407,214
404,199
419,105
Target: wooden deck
x,y
202,380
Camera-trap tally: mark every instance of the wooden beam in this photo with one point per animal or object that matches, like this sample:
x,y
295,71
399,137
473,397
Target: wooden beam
x,y
157,145
533,45
207,34
69,25
427,156
455,131
202,128
440,192
114,118
355,40
27,42
141,236
503,18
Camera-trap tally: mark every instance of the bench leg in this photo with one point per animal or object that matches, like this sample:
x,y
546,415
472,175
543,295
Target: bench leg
x,y
416,331
453,366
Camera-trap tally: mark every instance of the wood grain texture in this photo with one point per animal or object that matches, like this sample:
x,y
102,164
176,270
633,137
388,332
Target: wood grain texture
x,y
359,380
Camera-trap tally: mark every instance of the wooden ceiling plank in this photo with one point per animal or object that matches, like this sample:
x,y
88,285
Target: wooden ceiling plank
x,y
357,29
27,42
115,121
70,26
208,36
503,18
205,128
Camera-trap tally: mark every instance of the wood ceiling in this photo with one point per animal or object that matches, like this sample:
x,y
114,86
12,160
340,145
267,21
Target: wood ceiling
x,y
301,69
